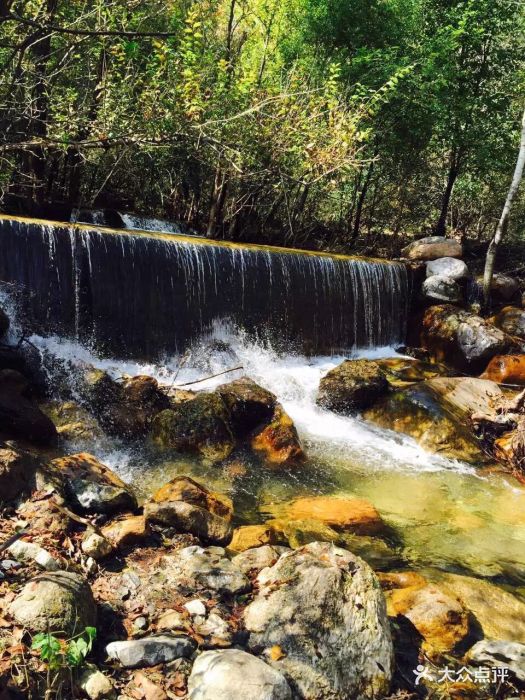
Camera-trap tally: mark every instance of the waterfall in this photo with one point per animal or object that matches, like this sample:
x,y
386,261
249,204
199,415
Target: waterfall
x,y
137,294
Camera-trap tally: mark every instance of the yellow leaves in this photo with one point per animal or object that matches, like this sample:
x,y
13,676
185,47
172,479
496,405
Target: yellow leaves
x,y
276,653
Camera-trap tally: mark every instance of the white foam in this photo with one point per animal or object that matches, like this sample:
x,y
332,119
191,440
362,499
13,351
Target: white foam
x,y
293,378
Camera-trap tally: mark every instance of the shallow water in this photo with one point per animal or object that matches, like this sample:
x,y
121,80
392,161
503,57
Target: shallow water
x,y
441,513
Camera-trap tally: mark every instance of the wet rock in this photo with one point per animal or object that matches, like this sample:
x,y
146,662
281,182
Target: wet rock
x,y
17,473
195,567
200,426
278,443
4,323
249,536
483,598
183,488
20,417
30,551
433,248
233,674
452,268
402,579
402,371
249,404
185,517
324,609
98,389
73,422
353,385
95,545
511,320
151,651
140,400
95,684
92,486
462,339
439,617
436,413
297,533
257,558
128,531
500,654
59,601
506,369
345,514
441,288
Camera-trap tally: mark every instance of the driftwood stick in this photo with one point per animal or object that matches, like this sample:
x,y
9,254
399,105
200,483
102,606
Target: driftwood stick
x,y
198,381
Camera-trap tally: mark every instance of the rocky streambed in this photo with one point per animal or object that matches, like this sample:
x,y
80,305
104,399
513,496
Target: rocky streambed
x,y
271,532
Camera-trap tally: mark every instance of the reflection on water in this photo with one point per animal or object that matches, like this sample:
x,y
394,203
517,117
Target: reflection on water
x,y
442,512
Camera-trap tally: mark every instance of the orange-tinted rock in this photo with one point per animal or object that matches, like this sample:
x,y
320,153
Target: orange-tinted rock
x,y
512,321
353,514
439,617
278,442
432,248
402,579
506,369
128,531
250,536
182,488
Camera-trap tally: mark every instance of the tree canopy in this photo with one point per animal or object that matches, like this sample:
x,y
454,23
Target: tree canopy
x,y
306,122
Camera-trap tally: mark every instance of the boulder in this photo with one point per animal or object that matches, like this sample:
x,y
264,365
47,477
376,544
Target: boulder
x,y
437,413
58,602
439,617
72,421
503,287
200,426
462,339
232,674
151,651
196,568
441,288
323,608
432,248
183,488
352,385
17,473
184,517
20,417
343,514
128,531
278,443
249,536
506,369
482,598
403,371
249,404
500,654
91,485
511,320
451,268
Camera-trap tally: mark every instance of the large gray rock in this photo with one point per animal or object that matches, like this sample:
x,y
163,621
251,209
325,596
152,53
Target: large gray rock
x,y
324,608
502,654
196,567
462,339
186,517
441,288
448,267
233,674
352,385
151,651
432,248
58,601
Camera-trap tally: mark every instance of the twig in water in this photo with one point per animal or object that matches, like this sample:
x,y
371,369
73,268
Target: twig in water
x,y
233,369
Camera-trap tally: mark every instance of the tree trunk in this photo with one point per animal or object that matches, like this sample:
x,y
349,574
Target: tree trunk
x,y
503,223
361,201
441,226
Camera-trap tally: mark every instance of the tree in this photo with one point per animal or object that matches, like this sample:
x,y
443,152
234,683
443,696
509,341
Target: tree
x,y
503,222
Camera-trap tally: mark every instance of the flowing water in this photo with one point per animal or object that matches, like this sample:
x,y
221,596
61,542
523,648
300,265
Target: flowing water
x,y
194,308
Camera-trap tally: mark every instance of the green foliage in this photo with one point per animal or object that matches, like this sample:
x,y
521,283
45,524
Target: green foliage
x,y
69,654
299,122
